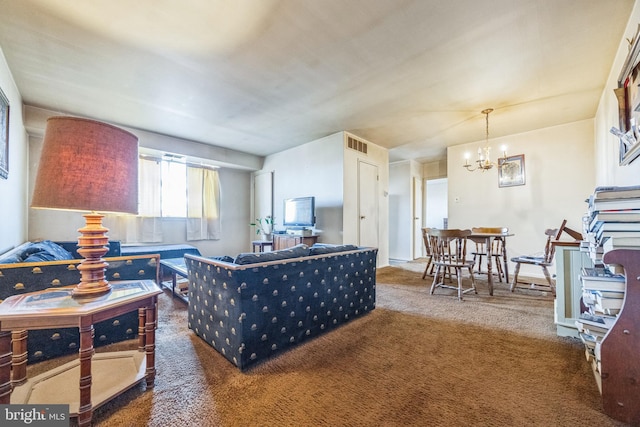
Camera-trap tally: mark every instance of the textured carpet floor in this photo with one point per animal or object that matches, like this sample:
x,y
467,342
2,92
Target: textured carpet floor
x,y
416,360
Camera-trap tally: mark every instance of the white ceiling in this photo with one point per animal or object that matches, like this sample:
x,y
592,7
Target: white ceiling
x,y
261,76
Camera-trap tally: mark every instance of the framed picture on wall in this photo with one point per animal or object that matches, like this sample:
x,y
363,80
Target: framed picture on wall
x,y
4,136
628,97
511,171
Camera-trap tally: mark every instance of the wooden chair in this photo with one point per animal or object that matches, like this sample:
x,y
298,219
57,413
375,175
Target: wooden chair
x,y
449,251
498,251
544,261
427,238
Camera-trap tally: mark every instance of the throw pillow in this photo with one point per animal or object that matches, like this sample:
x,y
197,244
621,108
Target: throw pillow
x,y
323,248
223,258
45,250
254,258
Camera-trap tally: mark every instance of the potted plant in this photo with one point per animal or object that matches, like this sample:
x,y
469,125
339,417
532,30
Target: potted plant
x,y
264,226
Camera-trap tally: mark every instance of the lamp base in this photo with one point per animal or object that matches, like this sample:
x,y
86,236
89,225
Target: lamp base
x,y
92,244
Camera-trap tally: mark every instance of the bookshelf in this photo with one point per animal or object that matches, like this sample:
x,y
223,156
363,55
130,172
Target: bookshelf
x,y
609,323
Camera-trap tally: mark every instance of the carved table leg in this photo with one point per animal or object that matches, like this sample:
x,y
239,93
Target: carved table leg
x,y
5,367
488,243
505,260
19,359
150,343
141,328
85,410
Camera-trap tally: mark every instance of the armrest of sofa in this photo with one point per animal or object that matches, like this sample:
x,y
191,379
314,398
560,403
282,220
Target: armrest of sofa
x,y
20,278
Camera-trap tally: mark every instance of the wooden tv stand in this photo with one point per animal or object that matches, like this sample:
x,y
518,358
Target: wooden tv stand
x,y
284,241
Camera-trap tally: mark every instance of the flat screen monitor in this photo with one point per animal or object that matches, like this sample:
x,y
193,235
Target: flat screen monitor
x,y
299,212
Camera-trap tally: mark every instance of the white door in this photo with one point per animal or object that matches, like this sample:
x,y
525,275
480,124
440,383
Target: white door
x,y
417,217
367,204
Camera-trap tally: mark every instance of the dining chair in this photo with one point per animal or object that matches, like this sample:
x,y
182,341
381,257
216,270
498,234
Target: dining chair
x,y
449,251
498,249
544,261
427,238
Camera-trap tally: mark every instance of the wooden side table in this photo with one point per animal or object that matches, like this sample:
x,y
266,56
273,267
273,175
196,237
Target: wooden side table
x,y
113,372
261,244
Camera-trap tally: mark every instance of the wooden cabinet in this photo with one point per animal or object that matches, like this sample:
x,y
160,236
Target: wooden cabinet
x,y
284,241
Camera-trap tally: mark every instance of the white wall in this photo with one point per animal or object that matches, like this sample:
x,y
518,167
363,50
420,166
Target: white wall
x,y
378,156
401,202
608,170
400,210
559,177
311,169
13,190
325,169
236,234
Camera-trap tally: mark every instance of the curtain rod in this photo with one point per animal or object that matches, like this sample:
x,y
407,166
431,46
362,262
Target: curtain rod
x,y
191,164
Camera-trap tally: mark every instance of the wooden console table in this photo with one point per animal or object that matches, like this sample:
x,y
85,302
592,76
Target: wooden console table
x,y
284,241
113,372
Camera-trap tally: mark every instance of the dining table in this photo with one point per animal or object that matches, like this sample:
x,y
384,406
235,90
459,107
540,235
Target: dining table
x,y
488,239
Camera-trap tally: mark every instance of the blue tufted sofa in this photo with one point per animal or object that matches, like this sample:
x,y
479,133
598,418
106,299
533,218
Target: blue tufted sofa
x,y
34,266
257,305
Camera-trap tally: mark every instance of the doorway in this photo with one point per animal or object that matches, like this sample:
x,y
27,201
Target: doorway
x,y
417,217
436,208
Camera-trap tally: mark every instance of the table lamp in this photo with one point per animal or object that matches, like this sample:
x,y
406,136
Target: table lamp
x,y
87,165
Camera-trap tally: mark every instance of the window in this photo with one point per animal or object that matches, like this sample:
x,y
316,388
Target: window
x,y
173,183
164,191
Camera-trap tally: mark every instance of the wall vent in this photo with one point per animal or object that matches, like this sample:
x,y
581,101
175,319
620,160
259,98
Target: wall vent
x,y
356,144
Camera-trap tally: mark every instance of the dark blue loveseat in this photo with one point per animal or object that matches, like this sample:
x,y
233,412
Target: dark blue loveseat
x,y
257,305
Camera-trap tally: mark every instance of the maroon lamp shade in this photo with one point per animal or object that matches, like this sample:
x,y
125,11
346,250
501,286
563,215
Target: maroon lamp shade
x,y
88,166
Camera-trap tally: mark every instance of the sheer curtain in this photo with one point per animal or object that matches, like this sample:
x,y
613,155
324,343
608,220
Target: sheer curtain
x,y
146,227
203,204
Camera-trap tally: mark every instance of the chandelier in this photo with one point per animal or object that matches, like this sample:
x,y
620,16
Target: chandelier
x,y
484,162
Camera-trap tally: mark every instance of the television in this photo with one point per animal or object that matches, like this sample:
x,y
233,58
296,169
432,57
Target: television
x,y
299,212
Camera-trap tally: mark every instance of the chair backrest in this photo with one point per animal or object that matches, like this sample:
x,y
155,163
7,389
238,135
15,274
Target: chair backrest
x,y
427,238
449,246
549,247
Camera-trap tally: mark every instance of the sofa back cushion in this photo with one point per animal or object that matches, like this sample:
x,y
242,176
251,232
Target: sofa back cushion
x,y
254,258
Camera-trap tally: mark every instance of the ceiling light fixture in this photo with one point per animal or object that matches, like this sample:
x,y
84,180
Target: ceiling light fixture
x,y
484,154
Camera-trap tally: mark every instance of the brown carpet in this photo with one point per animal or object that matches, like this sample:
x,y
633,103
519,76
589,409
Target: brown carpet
x,y
416,360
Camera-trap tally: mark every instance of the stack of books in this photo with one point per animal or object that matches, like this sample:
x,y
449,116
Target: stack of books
x,y
612,220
